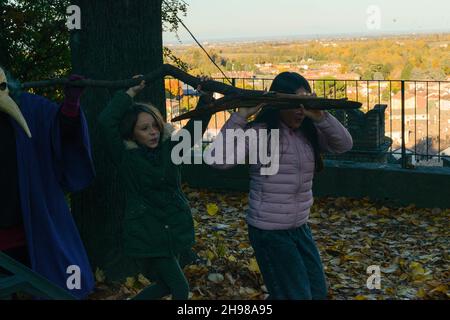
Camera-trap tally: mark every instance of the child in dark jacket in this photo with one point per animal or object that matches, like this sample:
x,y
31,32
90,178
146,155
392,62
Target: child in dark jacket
x,y
158,224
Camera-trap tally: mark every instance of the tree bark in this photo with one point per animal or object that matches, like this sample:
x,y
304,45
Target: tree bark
x,y
117,40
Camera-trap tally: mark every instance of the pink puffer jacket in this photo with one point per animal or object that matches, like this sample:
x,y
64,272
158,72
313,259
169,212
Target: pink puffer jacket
x,y
283,201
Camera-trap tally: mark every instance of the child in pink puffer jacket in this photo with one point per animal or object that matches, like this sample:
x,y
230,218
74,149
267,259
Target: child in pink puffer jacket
x,y
279,204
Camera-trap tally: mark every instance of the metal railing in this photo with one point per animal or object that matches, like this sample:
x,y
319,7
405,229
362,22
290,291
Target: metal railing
x,y
417,118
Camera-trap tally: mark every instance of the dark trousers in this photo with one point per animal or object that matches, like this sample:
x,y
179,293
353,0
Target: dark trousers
x,y
290,263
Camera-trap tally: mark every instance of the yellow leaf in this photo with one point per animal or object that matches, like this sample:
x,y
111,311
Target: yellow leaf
x,y
404,276
210,255
143,280
338,286
221,250
232,258
100,275
253,266
390,291
350,258
415,265
212,209
418,272
383,211
335,217
421,293
441,288
129,283
243,245
359,297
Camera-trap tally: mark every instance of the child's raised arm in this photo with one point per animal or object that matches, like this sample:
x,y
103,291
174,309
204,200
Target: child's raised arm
x,y
109,124
333,136
111,117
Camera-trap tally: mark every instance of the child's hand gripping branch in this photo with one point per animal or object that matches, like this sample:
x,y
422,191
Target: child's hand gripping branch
x,y
206,97
134,91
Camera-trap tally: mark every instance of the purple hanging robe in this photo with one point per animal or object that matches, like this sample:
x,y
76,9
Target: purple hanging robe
x,y
48,167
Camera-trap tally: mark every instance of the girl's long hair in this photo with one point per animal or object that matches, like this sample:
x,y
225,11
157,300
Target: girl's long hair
x,y
290,83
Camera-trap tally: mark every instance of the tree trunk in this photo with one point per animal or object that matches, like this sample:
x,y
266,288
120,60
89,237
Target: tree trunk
x,y
117,40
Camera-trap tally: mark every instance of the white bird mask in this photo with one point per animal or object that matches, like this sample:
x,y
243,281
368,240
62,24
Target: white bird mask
x,y
8,105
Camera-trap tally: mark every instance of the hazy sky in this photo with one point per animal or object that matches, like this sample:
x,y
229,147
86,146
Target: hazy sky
x,y
219,19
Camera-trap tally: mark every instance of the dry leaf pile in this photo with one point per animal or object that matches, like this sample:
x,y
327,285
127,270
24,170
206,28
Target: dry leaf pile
x,y
410,246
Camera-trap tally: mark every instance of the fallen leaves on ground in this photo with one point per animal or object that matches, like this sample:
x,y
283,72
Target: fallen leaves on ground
x,y
410,246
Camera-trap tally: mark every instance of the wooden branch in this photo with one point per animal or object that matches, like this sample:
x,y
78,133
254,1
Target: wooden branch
x,y
208,85
118,84
274,99
165,70
234,97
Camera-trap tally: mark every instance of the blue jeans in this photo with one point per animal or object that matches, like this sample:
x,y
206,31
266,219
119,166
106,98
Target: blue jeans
x,y
290,263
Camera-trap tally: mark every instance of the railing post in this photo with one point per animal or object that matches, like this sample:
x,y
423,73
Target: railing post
x,y
403,126
233,82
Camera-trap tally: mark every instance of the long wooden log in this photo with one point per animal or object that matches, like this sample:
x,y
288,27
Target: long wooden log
x,y
234,97
274,99
165,70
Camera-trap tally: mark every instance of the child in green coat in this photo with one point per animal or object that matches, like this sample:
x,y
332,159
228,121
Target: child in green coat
x,y
158,224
